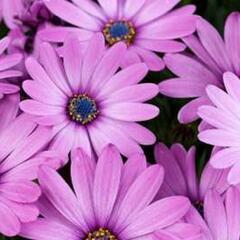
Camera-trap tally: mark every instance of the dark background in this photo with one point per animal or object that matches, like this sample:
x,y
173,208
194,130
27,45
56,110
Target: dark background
x,y
166,127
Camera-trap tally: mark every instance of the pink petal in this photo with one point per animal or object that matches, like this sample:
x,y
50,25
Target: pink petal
x,y
10,226
72,14
37,108
91,8
73,62
140,195
53,67
110,7
233,209
182,88
215,215
21,191
4,42
126,145
153,61
190,68
38,229
158,215
234,174
188,113
225,158
232,38
152,11
127,77
131,8
92,57
9,61
220,138
108,65
169,28
38,73
136,93
106,183
213,43
61,196
131,111
164,46
82,172
41,93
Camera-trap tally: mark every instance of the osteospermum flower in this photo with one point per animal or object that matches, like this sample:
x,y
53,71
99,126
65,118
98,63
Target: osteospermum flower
x,y
211,57
112,200
89,103
20,144
224,119
7,62
180,167
221,215
145,26
25,18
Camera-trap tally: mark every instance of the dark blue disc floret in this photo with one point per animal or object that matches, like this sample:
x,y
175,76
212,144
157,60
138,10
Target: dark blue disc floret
x,y
116,31
82,109
119,30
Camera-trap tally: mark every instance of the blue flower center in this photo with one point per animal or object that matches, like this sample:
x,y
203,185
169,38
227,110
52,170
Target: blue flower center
x,y
82,109
119,29
116,31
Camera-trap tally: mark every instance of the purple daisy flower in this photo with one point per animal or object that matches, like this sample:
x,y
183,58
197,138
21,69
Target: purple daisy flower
x,y
25,18
225,124
112,200
89,103
180,167
211,57
146,26
7,62
221,215
20,144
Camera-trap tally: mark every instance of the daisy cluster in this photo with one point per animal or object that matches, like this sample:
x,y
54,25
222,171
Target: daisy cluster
x,y
78,110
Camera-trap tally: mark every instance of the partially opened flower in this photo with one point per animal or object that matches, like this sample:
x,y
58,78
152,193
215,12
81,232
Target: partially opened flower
x,y
112,200
224,117
87,101
211,57
20,146
25,18
145,26
180,176
221,215
7,63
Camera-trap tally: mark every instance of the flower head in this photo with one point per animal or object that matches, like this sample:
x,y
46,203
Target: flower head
x,y
181,178
89,102
112,200
223,118
211,57
20,146
141,24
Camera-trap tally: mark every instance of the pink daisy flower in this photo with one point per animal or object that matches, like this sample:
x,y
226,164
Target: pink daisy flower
x,y
90,104
145,26
112,200
7,62
180,167
25,18
20,144
221,215
224,119
211,57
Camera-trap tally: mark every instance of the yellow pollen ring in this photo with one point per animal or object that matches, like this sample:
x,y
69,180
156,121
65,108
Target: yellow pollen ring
x,y
101,234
